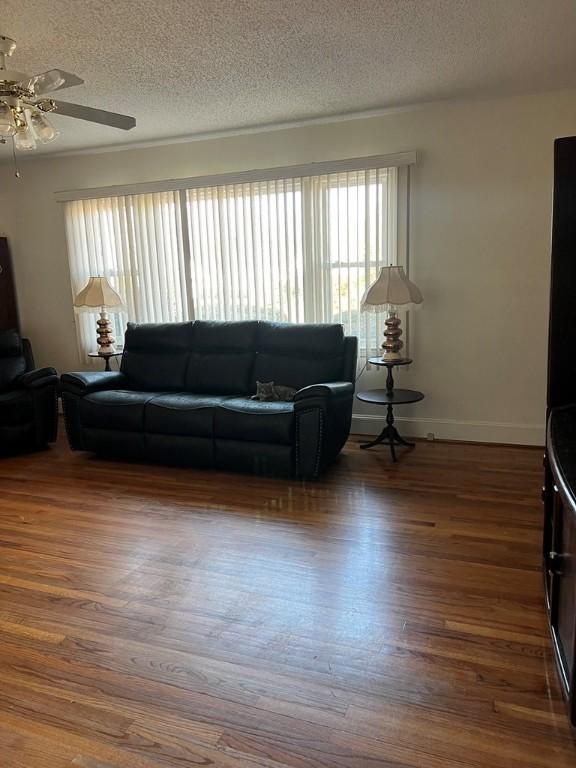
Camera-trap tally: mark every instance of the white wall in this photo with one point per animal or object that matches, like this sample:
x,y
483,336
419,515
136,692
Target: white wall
x,y
481,205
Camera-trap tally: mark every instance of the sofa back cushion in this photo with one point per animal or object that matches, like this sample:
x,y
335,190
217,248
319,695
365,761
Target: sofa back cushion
x,y
298,355
12,360
227,358
156,355
222,359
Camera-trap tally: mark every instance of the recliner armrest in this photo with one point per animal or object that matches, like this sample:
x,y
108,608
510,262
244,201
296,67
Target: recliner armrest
x,y
330,390
84,382
40,377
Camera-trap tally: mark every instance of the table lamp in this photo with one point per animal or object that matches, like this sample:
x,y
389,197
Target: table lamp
x,y
99,294
391,289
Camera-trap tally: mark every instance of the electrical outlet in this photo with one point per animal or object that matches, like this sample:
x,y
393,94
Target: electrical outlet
x,y
431,436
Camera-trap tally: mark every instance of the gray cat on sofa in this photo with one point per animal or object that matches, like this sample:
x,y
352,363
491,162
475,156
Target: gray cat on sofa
x,y
270,392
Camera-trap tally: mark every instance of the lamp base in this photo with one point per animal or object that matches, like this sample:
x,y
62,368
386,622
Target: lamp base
x,y
391,357
106,340
108,349
392,344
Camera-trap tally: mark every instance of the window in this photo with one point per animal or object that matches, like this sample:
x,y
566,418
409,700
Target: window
x,y
293,248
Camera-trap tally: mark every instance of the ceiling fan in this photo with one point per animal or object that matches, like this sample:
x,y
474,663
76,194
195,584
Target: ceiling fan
x,y
23,106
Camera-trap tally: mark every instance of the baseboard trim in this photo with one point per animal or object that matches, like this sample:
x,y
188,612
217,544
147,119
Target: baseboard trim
x,y
452,429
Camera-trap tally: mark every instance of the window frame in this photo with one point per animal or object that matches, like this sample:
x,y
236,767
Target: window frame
x,y
310,311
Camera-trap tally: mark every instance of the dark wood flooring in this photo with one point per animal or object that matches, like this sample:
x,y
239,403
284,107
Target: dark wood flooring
x,y
388,615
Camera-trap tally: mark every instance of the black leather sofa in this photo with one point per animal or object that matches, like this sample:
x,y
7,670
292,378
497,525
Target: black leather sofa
x,y
183,396
28,398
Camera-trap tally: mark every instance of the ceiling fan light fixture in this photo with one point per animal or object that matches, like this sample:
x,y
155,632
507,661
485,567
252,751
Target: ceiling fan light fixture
x,y
23,106
42,127
24,138
7,124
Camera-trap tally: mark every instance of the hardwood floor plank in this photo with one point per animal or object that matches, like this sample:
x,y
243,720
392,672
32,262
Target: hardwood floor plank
x,y
22,630
58,743
388,615
446,736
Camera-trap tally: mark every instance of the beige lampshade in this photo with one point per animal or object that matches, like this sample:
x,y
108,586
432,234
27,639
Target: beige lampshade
x,y
391,287
96,294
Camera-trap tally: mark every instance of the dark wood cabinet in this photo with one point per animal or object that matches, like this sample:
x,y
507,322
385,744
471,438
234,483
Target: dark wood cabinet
x,y
560,549
559,491
565,585
8,303
560,565
564,591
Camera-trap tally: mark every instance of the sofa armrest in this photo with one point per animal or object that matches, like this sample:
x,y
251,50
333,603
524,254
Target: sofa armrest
x,y
330,391
84,382
324,414
40,377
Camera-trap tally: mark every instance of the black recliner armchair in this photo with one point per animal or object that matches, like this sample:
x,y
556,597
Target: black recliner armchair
x,y
28,398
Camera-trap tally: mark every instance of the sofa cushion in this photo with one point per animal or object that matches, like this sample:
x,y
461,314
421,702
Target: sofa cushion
x,y
298,355
240,418
10,343
182,413
115,409
156,355
12,360
222,358
15,408
295,372
11,368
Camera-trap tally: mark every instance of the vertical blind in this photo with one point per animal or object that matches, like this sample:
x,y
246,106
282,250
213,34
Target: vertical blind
x,y
291,249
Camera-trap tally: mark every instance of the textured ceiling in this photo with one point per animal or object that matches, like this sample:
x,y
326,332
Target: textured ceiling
x,y
184,67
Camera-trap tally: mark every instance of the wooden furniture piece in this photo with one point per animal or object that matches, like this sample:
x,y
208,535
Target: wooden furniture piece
x,y
559,492
389,397
106,356
560,546
8,302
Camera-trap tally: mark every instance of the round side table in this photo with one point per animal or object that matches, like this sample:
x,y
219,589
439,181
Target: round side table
x,y
390,397
106,357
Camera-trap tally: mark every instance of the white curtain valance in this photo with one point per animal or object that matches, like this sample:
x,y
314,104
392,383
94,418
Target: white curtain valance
x,y
372,162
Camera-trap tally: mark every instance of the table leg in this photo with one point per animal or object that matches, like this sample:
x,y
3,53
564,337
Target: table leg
x,y
389,436
107,364
391,429
382,438
401,441
389,381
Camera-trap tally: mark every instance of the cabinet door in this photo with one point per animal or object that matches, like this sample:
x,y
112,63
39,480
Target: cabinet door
x,y
549,491
562,570
566,591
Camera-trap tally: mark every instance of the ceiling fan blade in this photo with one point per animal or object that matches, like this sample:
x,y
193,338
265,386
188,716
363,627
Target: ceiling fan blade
x,y
53,80
94,115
